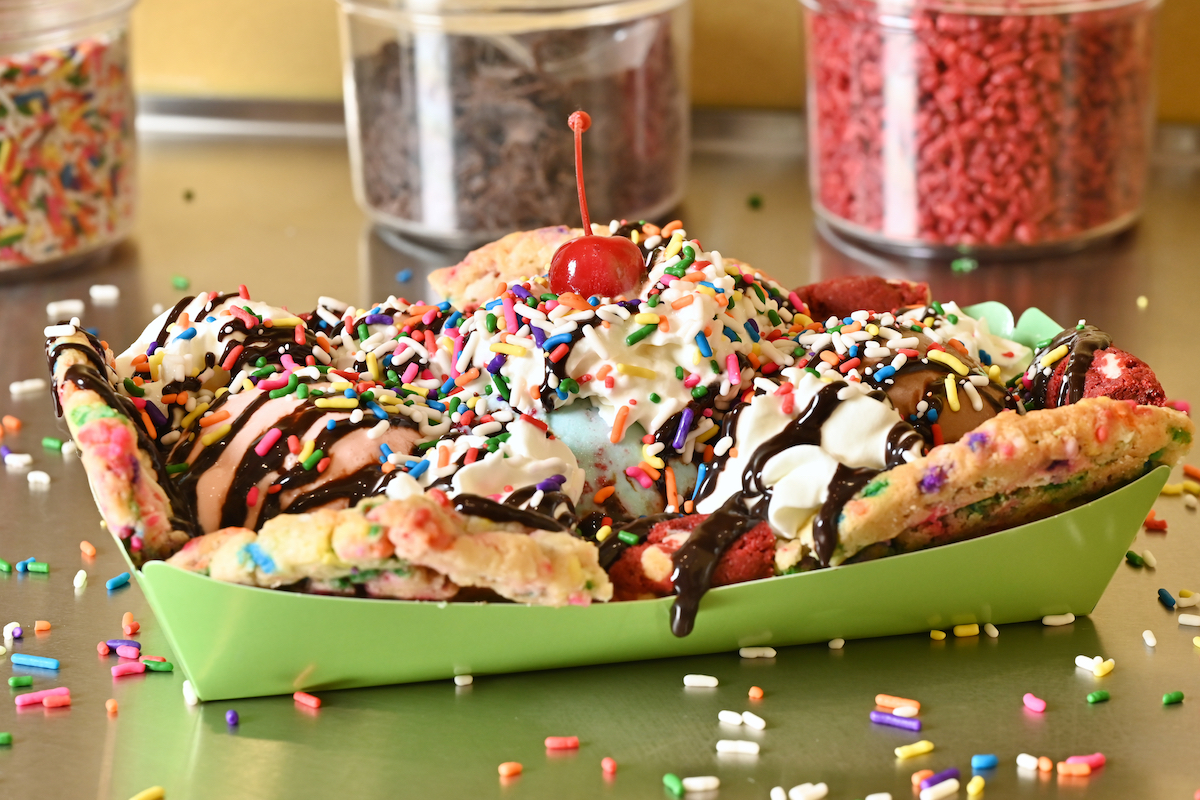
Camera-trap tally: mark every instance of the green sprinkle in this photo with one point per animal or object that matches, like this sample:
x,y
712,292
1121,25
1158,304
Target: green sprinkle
x,y
5,566
1171,698
771,315
916,328
20,680
755,201
1134,559
1043,343
654,397
501,385
302,391
679,373
678,272
490,322
38,566
569,385
312,460
953,318
1098,696
421,448
875,487
673,783
812,371
269,369
627,537
454,403
639,334
51,443
175,469
716,368
181,283
962,266
292,385
392,376
548,296
652,301
937,308
367,396
133,389
699,392
5,738
159,666
262,360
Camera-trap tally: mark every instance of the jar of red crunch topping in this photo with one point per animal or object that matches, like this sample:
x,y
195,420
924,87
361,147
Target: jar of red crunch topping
x,y
999,126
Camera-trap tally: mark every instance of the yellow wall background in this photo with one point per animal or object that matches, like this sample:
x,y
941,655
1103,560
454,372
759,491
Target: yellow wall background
x,y
747,52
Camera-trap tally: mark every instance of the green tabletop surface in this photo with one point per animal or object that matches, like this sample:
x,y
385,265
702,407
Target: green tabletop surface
x,y
278,216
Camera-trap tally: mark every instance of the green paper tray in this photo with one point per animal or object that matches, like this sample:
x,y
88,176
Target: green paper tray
x,y
239,641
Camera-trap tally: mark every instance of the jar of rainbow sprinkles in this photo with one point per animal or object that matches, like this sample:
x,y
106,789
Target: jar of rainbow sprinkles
x,y
66,129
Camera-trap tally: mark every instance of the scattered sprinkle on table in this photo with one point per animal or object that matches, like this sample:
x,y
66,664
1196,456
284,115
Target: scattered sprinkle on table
x,y
700,681
1056,620
509,769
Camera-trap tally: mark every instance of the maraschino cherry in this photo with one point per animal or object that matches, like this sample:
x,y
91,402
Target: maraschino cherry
x,y
606,266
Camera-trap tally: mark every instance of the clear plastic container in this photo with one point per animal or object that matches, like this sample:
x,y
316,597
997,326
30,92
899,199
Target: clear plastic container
x,y
67,152
1001,127
457,111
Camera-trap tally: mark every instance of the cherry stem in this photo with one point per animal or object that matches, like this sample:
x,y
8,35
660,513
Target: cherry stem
x,y
580,122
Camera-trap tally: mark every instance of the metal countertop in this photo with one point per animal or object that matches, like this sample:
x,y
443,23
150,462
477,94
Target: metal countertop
x,y
278,215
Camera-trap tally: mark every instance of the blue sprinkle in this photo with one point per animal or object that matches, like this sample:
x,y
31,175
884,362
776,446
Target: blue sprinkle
x,y
261,559
932,414
453,320
1165,598
436,405
731,335
117,582
854,351
190,333
593,301
404,275
985,357
752,329
885,372
493,304
419,469
699,479
210,318
562,393
555,341
93,331
350,393
848,321
444,306
330,425
447,387
25,660
377,410
387,451
984,761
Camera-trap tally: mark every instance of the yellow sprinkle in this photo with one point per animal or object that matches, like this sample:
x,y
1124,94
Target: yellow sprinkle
x,y
646,319
755,348
915,749
153,793
508,349
697,356
1196,641
737,295
708,290
209,438
155,364
307,449
652,460
634,236
952,393
1054,355
336,402
1172,489
1103,668
674,245
220,392
373,367
942,357
340,386
1186,593
927,321
604,533
975,785
937,636
286,322
708,434
1191,487
415,389
801,319
247,385
637,372
873,329
187,421
994,372
471,401
966,630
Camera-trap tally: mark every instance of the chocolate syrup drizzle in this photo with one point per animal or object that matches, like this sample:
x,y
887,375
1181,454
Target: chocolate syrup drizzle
x,y
1082,348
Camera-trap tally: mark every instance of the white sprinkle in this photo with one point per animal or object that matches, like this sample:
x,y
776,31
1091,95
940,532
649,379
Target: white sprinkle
x,y
54,331
189,694
1026,761
1188,602
991,630
27,387
58,309
837,644
973,395
1148,638
737,746
940,790
8,629
157,309
356,416
18,460
808,791
701,783
753,720
652,241
722,446
779,793
706,681
463,680
1087,662
757,652
979,380
879,796
38,479
68,448
379,430
1149,558
1190,502
906,711
80,579
104,293
1191,620
729,717
1054,620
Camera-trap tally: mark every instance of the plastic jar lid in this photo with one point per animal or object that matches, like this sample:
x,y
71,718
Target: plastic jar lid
x,y
503,16
1000,8
29,24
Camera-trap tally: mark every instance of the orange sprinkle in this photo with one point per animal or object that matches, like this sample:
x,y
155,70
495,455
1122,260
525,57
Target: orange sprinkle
x,y
649,470
140,358
110,705
88,549
535,392
671,499
184,322
618,428
572,300
386,468
150,431
688,506
213,419
920,775
126,618
683,302
1045,764
11,423
957,345
602,495
671,227
466,377
650,229
137,380
829,357
708,330
664,325
41,625
1077,770
722,300
602,373
168,399
694,277
606,324
853,328
753,359
733,452
131,628
509,769
1188,469
755,692
443,456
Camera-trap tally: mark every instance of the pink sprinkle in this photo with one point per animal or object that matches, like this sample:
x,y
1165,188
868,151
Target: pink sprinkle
x,y
267,442
1095,760
1181,405
135,543
244,316
430,316
692,380
1033,703
795,300
733,370
278,382
252,497
510,316
289,362
33,698
232,358
128,668
128,651
243,292
551,305
410,372
640,476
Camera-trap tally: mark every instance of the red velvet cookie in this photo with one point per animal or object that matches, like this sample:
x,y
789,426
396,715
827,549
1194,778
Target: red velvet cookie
x,y
1115,374
839,297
